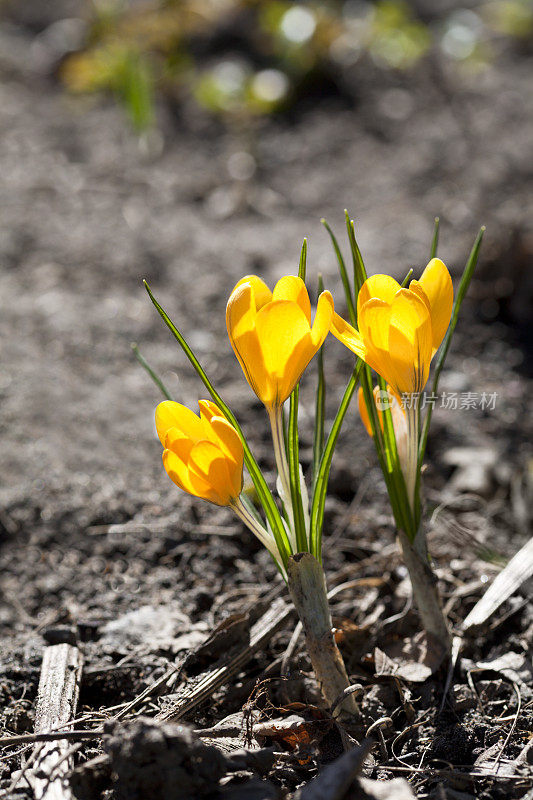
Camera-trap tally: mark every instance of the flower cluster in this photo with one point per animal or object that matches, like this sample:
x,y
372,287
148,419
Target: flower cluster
x,y
274,339
395,331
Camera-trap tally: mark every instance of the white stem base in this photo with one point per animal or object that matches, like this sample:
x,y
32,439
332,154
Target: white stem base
x,y
307,586
425,590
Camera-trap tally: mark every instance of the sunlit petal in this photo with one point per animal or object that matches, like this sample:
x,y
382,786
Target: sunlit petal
x,y
228,440
179,443
169,414
178,472
271,333
323,318
409,342
207,462
281,326
382,287
437,284
260,292
292,288
348,335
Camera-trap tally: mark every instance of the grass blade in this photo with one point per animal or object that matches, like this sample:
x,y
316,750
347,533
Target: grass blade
x,y
435,240
320,407
359,270
154,376
319,494
343,273
407,278
303,261
264,493
294,474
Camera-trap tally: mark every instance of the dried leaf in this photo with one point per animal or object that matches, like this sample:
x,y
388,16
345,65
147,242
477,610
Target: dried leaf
x,y
294,730
517,667
414,659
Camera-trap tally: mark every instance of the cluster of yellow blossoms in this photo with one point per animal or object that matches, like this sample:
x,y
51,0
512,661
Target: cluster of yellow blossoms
x,y
400,329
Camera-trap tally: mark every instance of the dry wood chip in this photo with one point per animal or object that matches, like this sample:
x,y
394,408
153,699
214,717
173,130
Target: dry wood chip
x,y
56,705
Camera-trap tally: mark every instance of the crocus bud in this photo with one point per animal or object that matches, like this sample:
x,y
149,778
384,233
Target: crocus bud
x,y
203,454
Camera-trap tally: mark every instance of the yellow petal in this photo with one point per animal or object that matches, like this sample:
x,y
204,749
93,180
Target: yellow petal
x,y
323,318
208,409
241,324
240,310
208,463
409,343
382,287
291,287
348,335
437,284
261,294
374,323
228,440
169,414
416,288
296,363
363,412
281,326
178,472
179,443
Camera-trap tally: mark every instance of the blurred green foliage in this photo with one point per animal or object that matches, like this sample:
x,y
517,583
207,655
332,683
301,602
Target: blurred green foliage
x,y
248,58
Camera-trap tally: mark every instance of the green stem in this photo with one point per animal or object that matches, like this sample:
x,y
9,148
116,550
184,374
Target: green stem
x,y
257,529
275,415
411,414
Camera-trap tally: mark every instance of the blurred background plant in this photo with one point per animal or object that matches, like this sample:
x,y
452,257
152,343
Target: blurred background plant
x,y
243,59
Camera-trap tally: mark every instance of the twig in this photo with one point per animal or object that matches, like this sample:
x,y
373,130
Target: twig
x,y
194,693
171,674
513,726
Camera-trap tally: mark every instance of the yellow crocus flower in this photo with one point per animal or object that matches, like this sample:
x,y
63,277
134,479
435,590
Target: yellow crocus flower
x,y
271,333
400,330
203,454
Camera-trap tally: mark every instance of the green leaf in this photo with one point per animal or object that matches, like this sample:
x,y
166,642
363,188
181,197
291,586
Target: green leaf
x,y
435,240
303,261
406,279
264,493
445,346
321,484
385,444
343,273
294,474
154,376
320,407
359,270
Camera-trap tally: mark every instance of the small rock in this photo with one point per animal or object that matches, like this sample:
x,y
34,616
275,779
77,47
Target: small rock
x,y
61,634
152,761
154,626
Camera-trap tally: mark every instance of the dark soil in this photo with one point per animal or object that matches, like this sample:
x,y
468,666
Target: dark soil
x,y
98,545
